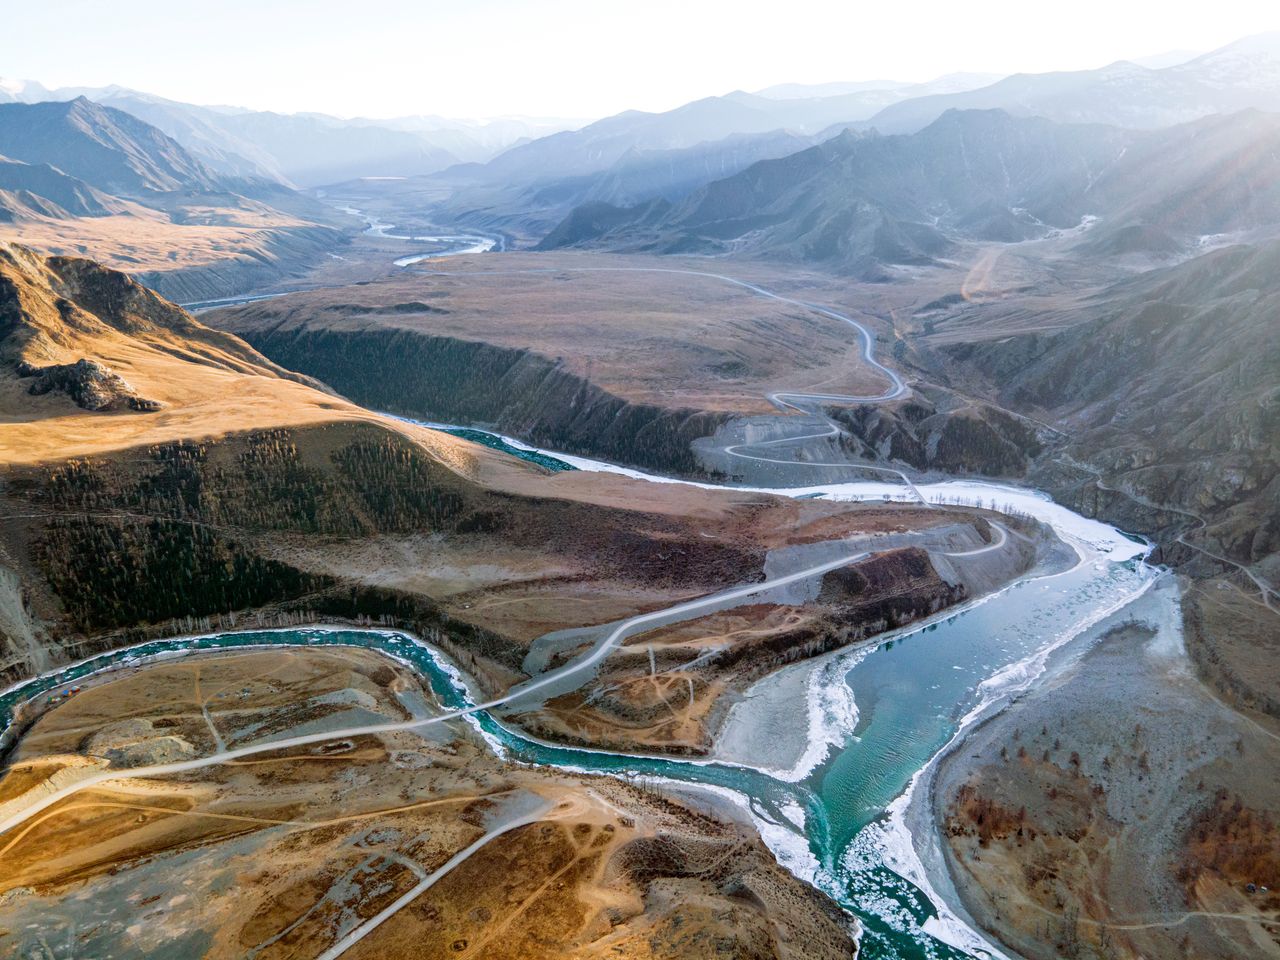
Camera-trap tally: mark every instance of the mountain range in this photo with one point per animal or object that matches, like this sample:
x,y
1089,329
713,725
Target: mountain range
x,y
1240,75
859,201
603,143
33,190
1168,381
76,175
306,149
643,159
498,161
114,150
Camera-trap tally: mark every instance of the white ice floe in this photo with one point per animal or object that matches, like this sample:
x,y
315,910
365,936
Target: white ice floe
x,y
1108,542
891,836
833,715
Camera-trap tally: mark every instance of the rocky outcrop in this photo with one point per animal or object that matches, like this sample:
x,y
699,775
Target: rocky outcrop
x,y
936,430
90,384
56,311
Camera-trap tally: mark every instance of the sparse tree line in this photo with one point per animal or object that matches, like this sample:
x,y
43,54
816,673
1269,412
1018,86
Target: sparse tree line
x,y
165,542
1235,841
373,482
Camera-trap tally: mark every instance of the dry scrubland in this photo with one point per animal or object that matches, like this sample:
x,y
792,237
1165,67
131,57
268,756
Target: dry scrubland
x,y
141,240
281,854
627,358
212,246
659,338
225,490
353,520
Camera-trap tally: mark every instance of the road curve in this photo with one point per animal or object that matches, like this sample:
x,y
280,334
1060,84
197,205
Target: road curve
x,y
792,400
601,650
360,932
1268,592
996,544
784,399
896,385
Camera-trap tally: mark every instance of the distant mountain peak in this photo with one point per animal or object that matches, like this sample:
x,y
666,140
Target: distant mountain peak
x,y
1125,93
106,148
1259,44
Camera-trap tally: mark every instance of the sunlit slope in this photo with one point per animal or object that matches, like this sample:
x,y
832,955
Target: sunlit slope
x,y
162,374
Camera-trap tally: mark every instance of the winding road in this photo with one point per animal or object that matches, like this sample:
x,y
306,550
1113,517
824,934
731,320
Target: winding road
x,y
16,815
897,387
601,650
1267,591
610,641
806,403
606,645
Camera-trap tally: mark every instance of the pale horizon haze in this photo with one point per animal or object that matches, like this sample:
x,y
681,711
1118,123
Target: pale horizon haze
x,y
571,58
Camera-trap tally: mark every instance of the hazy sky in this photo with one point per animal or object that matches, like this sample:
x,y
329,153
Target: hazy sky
x,y
574,58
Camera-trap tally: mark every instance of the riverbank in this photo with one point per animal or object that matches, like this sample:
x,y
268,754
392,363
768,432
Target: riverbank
x,y
768,715
1102,574
946,660
358,844
785,836
1087,742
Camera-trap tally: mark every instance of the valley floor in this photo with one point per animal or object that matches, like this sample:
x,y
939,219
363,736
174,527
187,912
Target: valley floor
x,y
1128,825
358,846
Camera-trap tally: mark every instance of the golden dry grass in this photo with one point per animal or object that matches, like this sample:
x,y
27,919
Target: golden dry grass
x,y
144,240
634,326
280,855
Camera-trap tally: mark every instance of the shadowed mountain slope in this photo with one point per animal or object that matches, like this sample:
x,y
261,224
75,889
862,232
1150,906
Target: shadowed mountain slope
x,y
1166,386
857,202
112,150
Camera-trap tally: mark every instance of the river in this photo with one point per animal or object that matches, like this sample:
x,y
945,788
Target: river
x,y
446,245
442,245
878,715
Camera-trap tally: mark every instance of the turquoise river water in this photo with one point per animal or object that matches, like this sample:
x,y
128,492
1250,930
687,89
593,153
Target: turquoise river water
x,y
906,698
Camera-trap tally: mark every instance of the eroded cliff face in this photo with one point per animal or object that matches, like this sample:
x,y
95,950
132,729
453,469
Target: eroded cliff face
x,y
275,255
520,393
934,429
